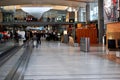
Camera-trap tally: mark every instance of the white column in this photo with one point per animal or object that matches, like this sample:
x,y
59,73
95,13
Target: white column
x,y
79,15
118,8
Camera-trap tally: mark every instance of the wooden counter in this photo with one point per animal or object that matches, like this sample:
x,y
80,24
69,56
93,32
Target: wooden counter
x,y
113,33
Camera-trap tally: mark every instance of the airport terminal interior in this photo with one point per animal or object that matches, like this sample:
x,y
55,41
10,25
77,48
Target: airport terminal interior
x,y
60,40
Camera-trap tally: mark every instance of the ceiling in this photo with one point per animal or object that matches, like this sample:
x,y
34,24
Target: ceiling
x,y
71,3
33,7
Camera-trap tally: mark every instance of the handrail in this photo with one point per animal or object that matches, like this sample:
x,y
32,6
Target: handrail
x,y
34,23
17,72
5,56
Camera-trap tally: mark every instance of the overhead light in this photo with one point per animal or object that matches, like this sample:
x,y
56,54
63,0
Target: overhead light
x,y
60,7
71,9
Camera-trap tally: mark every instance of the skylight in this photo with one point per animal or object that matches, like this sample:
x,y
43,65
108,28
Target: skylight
x,y
36,11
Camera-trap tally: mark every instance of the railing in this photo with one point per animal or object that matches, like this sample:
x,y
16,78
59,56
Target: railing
x,y
34,23
17,72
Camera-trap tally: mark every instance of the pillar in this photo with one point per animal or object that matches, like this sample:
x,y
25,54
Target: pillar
x,y
100,20
87,12
79,15
118,8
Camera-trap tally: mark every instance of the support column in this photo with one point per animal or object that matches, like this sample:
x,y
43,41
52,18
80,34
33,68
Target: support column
x,y
100,20
74,32
79,15
118,8
87,12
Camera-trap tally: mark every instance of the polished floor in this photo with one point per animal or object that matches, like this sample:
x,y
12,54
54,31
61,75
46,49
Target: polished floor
x,y
59,61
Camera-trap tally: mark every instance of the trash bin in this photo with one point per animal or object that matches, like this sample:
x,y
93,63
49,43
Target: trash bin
x,y
118,54
85,44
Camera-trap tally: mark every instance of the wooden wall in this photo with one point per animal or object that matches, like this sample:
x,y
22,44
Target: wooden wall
x,y
86,32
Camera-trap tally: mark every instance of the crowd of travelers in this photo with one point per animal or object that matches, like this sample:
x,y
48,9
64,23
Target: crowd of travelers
x,y
5,35
35,36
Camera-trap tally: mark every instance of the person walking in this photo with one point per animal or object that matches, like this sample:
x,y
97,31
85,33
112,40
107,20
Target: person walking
x,y
35,40
38,35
